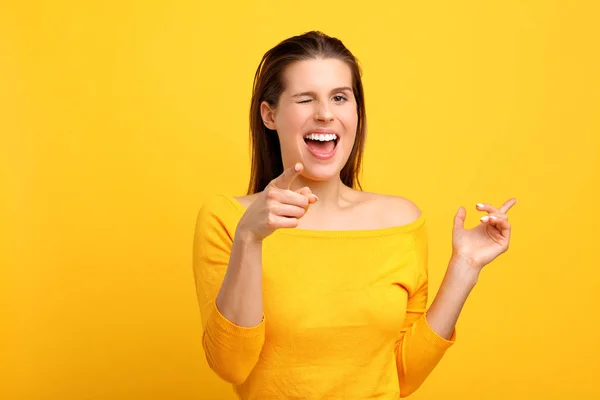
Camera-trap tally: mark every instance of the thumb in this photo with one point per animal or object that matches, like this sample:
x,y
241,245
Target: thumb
x,y
459,219
305,191
284,181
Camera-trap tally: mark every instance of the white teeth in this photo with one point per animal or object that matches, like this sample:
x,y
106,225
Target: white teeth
x,y
321,137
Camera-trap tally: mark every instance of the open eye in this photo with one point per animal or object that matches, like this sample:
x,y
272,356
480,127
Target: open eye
x,y
339,98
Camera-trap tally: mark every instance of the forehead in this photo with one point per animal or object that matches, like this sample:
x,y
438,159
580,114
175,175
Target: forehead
x,y
317,74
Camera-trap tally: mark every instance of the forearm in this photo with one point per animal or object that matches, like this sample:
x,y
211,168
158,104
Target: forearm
x,y
240,298
459,280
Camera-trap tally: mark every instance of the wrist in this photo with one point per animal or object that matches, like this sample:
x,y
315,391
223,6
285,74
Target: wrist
x,y
462,272
246,238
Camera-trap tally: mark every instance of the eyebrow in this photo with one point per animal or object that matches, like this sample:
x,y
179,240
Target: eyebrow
x,y
309,93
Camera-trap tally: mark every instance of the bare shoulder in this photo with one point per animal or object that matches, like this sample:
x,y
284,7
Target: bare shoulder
x,y
391,210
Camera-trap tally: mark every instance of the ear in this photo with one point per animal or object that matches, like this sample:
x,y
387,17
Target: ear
x,y
268,115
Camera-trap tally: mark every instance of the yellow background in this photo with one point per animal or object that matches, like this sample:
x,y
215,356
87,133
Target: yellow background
x,y
118,119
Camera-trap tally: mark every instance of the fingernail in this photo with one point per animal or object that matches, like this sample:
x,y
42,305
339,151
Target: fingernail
x,y
492,217
297,167
484,218
315,196
479,205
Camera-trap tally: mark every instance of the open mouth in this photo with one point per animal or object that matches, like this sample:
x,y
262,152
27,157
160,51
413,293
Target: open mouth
x,y
321,143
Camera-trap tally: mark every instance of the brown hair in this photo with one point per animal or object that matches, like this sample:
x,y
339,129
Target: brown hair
x,y
267,162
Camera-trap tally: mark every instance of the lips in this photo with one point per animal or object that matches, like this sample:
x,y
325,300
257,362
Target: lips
x,y
321,143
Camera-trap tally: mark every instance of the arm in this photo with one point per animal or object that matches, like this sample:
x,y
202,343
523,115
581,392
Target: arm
x,y
447,305
228,276
240,296
427,336
228,272
472,249
420,347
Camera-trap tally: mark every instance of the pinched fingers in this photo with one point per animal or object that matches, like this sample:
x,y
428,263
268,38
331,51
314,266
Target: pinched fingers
x,y
486,207
507,205
491,209
494,216
501,224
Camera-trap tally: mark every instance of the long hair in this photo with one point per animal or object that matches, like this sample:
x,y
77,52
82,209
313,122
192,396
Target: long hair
x,y
267,163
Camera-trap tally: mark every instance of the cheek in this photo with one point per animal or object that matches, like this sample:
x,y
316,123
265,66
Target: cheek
x,y
350,121
289,123
291,118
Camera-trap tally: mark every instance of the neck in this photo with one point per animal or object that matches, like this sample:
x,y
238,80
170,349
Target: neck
x,y
330,193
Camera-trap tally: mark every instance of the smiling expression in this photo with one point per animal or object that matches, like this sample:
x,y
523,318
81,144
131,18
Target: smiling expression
x,y
316,117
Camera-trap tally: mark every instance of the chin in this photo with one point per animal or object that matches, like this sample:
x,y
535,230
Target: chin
x,y
321,173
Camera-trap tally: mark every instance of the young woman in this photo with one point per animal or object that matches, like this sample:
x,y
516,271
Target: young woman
x,y
309,287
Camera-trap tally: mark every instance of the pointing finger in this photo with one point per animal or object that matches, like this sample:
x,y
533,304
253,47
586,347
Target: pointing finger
x,y
284,181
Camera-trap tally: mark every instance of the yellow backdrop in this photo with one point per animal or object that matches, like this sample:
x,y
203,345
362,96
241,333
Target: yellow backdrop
x,y
118,119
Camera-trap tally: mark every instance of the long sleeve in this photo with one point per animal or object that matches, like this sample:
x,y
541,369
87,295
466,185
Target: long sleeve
x,y
420,348
231,350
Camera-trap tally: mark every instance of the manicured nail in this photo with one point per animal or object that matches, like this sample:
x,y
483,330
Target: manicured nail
x,y
315,196
297,167
493,217
479,205
484,218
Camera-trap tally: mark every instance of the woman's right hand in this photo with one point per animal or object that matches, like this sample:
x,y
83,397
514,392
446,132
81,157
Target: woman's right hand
x,y
276,207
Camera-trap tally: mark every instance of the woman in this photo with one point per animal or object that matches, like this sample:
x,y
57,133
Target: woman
x,y
335,307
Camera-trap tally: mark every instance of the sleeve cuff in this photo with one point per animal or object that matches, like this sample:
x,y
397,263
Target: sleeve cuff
x,y
222,324
432,336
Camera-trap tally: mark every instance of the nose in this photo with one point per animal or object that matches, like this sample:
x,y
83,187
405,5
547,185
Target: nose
x,y
323,112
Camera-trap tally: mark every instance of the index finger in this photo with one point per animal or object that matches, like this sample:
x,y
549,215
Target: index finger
x,y
507,206
284,181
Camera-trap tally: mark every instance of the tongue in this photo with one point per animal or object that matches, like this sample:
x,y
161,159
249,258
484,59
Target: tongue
x,y
317,146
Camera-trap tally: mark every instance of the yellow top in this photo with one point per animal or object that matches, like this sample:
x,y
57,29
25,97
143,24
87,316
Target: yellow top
x,y
344,311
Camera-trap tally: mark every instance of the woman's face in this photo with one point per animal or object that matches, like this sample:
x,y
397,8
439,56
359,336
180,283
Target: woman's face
x,y
316,117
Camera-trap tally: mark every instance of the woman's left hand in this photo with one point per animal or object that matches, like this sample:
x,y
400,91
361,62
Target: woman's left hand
x,y
482,244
